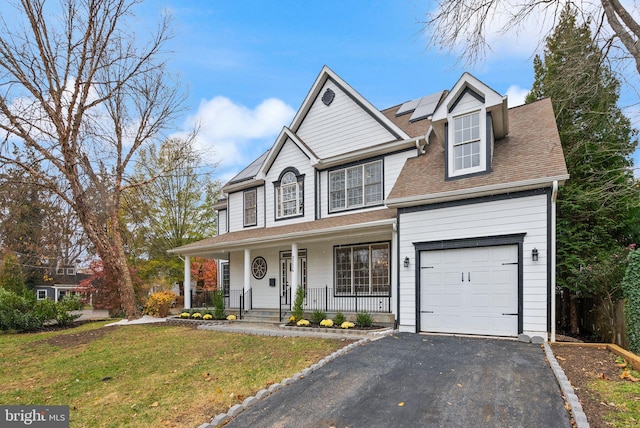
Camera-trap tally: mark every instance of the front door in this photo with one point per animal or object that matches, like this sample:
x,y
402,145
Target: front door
x,y
286,270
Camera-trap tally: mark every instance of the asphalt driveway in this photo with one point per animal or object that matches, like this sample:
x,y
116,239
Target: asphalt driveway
x,y
411,380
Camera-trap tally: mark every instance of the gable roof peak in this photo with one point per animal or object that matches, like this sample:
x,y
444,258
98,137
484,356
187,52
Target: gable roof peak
x,y
326,74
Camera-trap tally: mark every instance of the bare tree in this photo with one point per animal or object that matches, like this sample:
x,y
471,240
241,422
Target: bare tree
x,y
462,24
80,91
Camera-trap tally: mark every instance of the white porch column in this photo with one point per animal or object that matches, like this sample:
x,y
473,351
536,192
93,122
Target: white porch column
x,y
294,271
187,282
247,269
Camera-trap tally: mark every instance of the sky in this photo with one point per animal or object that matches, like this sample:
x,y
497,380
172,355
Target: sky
x,y
248,65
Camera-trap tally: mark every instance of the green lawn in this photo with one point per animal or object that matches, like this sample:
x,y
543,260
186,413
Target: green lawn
x,y
624,397
147,375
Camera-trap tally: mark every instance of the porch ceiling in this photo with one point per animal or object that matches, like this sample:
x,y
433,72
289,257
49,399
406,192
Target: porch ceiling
x,y
353,224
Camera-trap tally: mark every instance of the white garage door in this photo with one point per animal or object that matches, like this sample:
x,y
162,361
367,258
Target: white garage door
x,y
470,291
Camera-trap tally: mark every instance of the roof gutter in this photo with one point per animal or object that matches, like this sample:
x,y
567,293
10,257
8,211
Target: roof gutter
x,y
475,191
368,152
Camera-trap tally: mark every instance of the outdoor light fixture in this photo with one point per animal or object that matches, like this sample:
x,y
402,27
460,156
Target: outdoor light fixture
x,y
534,254
406,262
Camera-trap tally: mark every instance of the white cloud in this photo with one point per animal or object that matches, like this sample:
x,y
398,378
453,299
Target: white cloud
x,y
233,134
516,95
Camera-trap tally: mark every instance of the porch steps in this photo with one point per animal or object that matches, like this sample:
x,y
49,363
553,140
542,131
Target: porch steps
x,y
264,315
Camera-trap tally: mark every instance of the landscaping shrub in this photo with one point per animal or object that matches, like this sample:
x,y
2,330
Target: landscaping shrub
x,y
339,318
64,307
631,292
25,313
158,303
218,305
318,316
298,311
363,319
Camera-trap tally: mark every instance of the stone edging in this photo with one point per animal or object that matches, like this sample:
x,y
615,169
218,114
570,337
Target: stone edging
x,y
235,410
570,396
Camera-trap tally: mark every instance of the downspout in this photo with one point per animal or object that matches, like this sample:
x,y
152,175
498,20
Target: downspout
x,y
554,196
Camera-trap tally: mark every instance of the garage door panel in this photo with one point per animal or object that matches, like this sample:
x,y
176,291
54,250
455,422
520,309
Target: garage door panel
x,y
469,290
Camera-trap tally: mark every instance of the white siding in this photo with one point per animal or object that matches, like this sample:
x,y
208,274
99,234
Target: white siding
x,y
512,216
341,127
290,156
466,103
236,210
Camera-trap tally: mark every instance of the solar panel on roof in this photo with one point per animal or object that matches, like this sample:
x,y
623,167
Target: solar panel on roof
x,y
408,107
421,107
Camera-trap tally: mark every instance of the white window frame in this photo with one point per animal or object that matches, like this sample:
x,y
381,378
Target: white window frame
x,y
38,292
481,140
355,196
289,181
250,210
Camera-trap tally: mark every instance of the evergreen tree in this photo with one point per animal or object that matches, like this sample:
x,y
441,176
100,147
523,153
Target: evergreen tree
x,y
598,206
11,278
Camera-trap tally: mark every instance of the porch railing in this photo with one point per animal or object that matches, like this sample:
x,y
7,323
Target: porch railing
x,y
204,299
320,298
324,299
245,302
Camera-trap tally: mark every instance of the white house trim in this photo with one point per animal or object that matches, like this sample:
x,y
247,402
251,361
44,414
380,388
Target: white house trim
x,y
476,191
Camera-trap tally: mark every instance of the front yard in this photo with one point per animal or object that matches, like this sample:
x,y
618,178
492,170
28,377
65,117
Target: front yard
x,y
147,375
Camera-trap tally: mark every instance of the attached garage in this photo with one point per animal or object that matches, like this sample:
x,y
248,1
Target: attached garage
x,y
470,290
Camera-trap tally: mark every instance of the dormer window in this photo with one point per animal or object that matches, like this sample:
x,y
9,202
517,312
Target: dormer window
x,y
289,194
466,141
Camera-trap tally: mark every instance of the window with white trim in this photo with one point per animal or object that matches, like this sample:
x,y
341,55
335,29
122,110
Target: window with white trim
x,y
466,141
42,294
226,279
355,187
250,207
362,269
289,196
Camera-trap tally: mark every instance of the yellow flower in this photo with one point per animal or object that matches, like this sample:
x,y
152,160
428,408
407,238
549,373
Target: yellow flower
x,y
303,323
231,317
292,319
196,315
326,323
347,325
207,317
185,315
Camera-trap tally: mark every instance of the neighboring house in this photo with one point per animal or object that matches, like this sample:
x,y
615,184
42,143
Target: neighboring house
x,y
64,281
440,211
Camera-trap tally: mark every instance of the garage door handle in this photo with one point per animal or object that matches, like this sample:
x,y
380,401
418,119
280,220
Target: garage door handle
x,y
426,312
511,314
462,276
469,276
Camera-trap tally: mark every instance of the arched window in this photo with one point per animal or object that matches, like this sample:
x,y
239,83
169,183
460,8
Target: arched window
x,y
289,195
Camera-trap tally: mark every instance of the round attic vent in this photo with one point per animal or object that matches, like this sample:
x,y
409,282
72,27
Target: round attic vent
x,y
327,97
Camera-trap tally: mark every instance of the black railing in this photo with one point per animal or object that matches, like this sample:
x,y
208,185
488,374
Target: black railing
x,y
245,302
324,299
321,298
204,299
